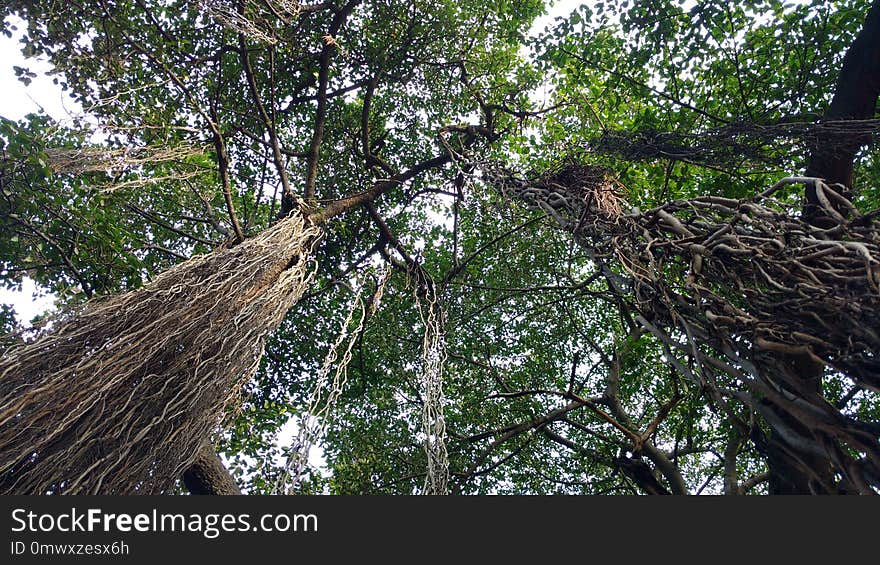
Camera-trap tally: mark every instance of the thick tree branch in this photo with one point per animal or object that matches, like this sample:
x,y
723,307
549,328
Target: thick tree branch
x,y
380,187
208,475
641,443
321,111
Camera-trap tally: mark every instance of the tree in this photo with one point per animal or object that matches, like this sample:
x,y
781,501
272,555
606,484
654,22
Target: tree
x,y
362,70
498,351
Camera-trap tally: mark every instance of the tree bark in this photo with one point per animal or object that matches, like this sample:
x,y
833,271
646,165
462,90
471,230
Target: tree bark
x,y
791,470
208,475
641,474
855,98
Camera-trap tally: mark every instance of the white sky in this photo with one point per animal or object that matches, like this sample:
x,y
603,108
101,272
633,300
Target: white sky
x,y
18,99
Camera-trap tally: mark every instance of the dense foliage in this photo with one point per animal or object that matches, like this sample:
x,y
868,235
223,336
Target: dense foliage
x,y
214,117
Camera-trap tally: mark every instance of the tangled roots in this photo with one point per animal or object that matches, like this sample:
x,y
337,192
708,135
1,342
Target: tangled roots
x,y
118,396
323,399
747,289
433,421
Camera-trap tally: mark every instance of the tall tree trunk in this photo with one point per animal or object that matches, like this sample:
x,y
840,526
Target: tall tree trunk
x,y
117,396
793,470
855,98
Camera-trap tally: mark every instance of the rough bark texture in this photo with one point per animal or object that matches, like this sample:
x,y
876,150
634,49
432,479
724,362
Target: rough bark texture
x,y
208,475
791,470
114,397
641,474
855,98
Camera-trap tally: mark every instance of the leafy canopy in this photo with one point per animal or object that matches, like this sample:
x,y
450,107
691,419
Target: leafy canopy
x,y
209,119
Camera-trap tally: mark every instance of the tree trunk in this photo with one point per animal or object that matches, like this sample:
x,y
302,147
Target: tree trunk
x,y
792,470
855,98
208,475
114,397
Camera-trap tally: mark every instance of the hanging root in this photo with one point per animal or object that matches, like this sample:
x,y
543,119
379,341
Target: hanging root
x,y
102,159
117,397
433,422
327,391
251,21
